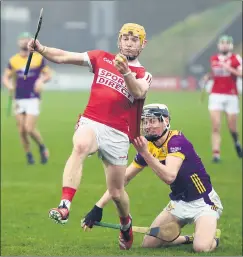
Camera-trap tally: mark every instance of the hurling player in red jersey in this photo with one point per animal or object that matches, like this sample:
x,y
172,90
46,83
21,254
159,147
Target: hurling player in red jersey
x,y
226,67
110,120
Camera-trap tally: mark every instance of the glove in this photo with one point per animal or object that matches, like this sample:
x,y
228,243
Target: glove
x,y
94,215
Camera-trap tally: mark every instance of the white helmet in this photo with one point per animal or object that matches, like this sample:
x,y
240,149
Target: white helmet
x,y
154,112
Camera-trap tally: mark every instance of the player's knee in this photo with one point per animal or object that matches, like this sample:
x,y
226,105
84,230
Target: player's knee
x,y
216,128
150,242
146,242
115,194
28,129
202,247
81,147
84,145
21,130
232,127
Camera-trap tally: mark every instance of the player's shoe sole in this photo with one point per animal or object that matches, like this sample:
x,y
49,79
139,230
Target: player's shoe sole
x,y
57,215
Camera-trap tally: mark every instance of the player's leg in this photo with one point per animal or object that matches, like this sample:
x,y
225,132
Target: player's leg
x,y
206,237
20,111
114,146
30,126
115,177
115,180
20,120
84,143
32,115
206,213
165,217
216,137
215,106
232,110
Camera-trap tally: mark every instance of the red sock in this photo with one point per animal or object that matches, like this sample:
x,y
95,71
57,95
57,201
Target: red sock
x,y
125,221
68,193
216,152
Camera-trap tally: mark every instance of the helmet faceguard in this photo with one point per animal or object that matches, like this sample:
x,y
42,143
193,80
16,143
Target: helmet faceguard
x,y
225,44
153,122
132,29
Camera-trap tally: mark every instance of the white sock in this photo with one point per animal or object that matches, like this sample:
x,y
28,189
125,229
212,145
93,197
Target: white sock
x,y
66,203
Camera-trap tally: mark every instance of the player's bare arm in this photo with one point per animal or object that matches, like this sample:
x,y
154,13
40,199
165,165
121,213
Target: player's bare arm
x,y
137,87
6,79
45,76
56,55
203,83
167,172
235,71
207,77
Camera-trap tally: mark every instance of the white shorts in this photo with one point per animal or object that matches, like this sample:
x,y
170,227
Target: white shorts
x,y
189,212
28,106
113,145
223,102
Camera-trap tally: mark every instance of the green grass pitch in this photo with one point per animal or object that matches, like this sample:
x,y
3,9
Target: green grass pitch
x,y
28,192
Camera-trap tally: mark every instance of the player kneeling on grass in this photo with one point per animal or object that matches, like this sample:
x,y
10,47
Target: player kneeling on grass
x,y
173,159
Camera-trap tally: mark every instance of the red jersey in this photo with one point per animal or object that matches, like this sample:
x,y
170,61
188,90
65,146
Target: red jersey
x,y
110,102
225,82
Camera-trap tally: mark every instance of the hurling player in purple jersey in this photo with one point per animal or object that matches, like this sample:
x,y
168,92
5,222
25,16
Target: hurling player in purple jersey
x,y
171,156
26,94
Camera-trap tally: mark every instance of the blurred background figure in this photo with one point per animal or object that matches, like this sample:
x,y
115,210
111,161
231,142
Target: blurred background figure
x,y
226,68
26,94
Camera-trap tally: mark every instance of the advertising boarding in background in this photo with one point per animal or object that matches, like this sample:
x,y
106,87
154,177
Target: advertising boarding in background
x,y
82,81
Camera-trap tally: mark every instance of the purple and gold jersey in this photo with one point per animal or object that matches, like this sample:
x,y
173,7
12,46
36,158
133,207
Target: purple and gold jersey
x,y
25,88
192,181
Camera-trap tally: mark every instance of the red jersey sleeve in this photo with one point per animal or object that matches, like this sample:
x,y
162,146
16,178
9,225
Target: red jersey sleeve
x,y
143,74
148,77
92,57
237,62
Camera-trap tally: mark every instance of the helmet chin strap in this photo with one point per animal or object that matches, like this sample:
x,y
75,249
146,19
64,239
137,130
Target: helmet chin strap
x,y
224,52
129,58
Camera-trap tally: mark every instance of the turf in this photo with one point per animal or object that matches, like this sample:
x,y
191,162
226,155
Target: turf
x,y
28,192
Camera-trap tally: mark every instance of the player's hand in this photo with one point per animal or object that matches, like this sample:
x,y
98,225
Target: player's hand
x,y
94,215
121,64
35,46
141,144
38,87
